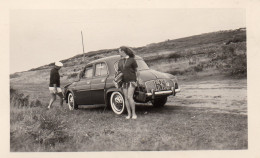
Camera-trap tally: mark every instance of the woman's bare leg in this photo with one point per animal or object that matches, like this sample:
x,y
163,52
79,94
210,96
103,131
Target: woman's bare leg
x,y
127,103
131,101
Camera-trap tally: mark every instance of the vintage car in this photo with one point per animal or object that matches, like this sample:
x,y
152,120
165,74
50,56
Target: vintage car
x,y
96,86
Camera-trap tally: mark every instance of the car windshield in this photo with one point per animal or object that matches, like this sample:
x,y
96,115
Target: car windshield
x,y
141,65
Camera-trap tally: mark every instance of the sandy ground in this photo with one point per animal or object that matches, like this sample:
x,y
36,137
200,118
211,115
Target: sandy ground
x,y
222,96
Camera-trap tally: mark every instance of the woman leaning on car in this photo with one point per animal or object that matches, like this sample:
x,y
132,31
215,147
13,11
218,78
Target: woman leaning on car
x,y
128,66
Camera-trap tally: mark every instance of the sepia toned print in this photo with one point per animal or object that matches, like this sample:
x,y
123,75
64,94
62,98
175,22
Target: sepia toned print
x,y
207,67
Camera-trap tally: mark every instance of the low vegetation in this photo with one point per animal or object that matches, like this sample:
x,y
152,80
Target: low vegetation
x,y
190,55
14,75
170,128
233,59
19,100
34,128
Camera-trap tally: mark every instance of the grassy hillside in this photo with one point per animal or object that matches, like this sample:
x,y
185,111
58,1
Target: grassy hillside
x,y
222,52
177,48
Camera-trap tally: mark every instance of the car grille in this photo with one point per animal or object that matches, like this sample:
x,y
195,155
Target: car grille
x,y
158,85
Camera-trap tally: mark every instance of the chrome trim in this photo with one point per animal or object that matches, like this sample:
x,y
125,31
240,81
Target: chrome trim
x,y
160,93
177,90
169,92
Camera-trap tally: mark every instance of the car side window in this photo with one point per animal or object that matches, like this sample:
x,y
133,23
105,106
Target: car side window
x,y
88,72
101,69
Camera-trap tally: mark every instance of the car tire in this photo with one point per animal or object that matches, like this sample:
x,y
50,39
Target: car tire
x,y
71,102
159,102
117,103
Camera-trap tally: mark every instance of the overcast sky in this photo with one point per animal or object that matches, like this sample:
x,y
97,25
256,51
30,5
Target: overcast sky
x,y
39,37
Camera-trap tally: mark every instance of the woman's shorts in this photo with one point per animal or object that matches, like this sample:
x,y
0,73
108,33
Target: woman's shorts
x,y
52,90
129,84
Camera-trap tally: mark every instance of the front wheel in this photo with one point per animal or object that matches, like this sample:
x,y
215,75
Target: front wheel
x,y
159,102
71,102
117,103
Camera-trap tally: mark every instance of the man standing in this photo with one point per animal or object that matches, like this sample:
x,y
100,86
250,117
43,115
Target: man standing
x,y
54,85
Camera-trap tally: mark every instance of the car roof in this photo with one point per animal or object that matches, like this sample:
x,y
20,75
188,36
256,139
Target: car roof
x,y
111,58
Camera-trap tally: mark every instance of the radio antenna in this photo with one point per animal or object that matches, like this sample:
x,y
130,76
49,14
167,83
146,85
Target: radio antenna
x,y
83,59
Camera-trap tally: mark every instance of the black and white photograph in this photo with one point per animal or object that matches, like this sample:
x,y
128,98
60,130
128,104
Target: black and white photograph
x,y
129,80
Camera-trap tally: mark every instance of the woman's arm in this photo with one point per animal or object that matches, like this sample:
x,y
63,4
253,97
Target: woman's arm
x,y
137,74
138,79
135,66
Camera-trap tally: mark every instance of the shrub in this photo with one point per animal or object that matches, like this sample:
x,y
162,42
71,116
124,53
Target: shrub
x,y
15,75
182,72
18,99
50,130
35,103
239,65
198,68
176,72
40,129
232,62
175,55
237,38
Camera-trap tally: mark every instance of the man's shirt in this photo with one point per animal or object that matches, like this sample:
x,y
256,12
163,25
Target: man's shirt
x,y
54,78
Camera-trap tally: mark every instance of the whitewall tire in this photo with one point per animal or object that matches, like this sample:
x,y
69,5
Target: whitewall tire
x,y
71,102
117,103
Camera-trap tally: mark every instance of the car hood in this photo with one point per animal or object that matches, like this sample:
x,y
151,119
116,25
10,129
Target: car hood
x,y
151,74
67,85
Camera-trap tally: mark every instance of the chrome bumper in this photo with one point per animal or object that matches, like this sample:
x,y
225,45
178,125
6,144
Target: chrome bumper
x,y
169,92
177,90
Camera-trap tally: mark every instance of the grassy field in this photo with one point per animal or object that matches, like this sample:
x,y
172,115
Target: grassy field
x,y
209,114
170,128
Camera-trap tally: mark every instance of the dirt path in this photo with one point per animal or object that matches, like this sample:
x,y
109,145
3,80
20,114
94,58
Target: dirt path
x,y
224,96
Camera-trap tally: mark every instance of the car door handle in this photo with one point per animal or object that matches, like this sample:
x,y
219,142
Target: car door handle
x,y
88,82
103,80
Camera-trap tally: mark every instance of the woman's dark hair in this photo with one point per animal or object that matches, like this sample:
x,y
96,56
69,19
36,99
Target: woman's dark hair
x,y
128,51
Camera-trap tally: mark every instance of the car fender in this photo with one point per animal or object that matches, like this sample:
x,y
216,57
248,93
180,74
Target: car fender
x,y
109,91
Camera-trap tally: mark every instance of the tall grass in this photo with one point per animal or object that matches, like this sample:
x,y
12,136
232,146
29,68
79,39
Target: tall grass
x,y
32,127
38,129
233,59
18,99
35,129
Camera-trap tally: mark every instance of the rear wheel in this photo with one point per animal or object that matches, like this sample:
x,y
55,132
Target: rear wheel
x,y
117,103
159,102
71,102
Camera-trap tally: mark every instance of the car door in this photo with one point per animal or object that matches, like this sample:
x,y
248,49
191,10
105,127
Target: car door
x,y
83,87
98,83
